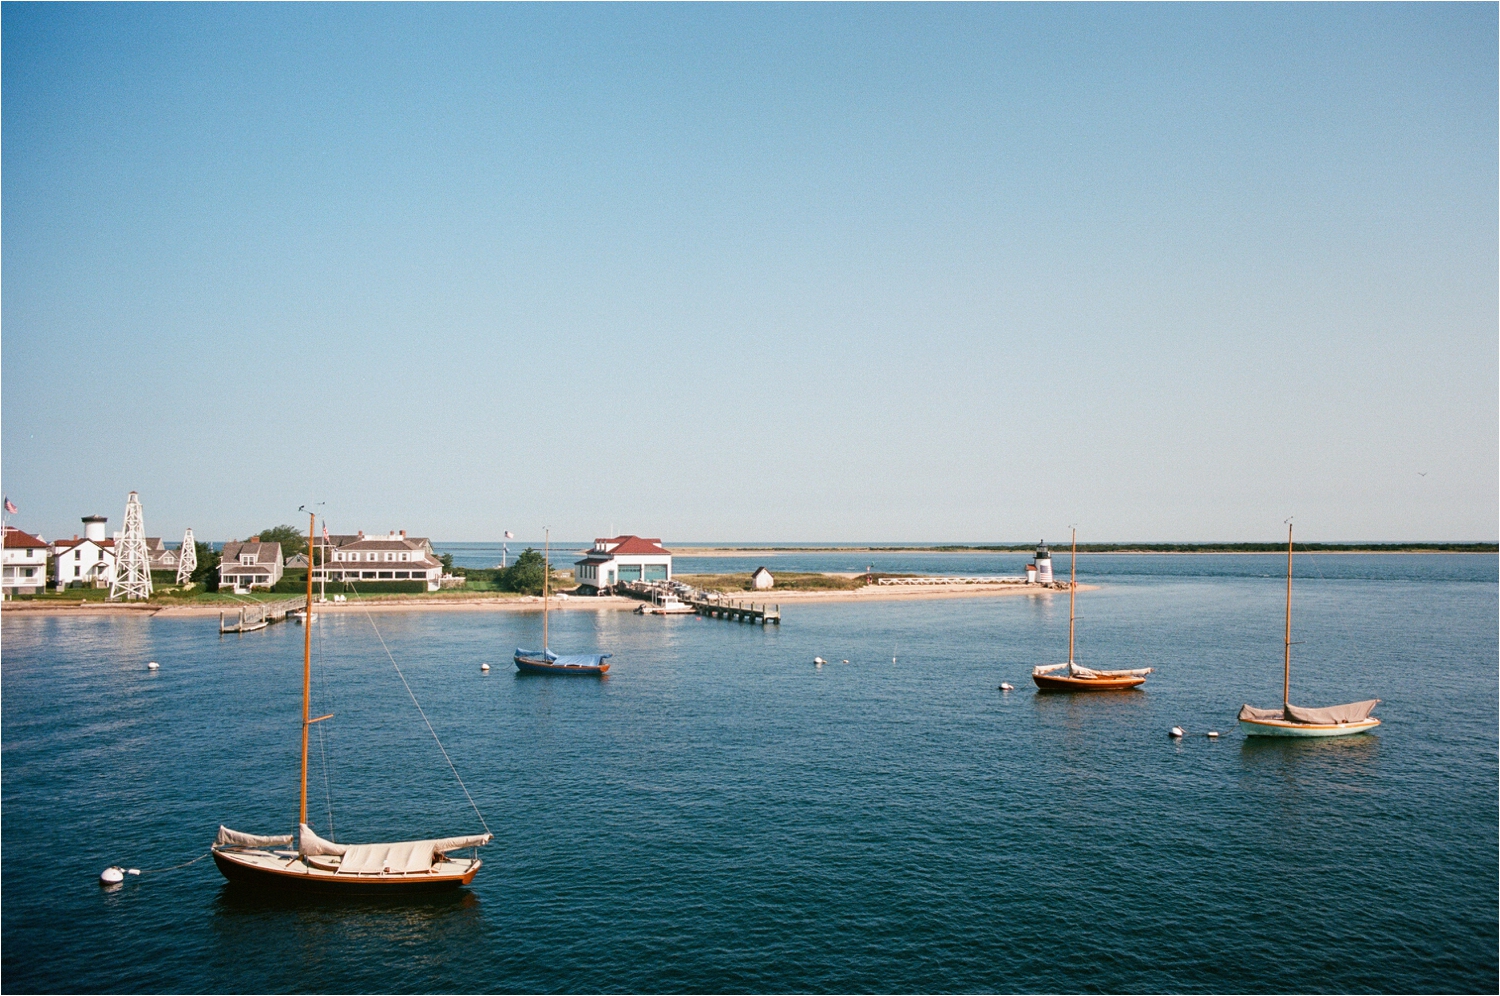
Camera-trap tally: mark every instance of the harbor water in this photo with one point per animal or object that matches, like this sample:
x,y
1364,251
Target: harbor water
x,y
720,815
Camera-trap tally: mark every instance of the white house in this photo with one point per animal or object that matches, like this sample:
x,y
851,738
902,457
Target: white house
x,y
619,559
393,557
89,562
25,563
251,564
762,579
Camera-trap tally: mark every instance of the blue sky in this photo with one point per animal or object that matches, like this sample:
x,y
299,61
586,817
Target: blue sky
x,y
742,273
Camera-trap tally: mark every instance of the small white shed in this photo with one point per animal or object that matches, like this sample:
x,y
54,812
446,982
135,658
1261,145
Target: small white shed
x,y
762,579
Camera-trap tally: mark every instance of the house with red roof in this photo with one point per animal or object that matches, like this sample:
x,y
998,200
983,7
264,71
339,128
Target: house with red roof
x,y
619,559
25,563
88,562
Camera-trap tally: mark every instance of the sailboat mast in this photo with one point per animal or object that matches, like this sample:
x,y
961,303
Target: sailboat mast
x,y
306,668
1286,681
1072,594
546,569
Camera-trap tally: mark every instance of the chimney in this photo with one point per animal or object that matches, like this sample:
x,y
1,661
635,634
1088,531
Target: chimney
x,y
403,534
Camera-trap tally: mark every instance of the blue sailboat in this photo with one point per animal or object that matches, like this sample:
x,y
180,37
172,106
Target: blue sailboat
x,y
544,661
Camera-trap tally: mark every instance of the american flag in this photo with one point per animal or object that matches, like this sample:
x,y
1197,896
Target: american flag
x,y
10,507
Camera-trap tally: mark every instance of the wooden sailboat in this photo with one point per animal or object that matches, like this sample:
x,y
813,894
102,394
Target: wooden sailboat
x,y
319,865
544,661
1078,678
1296,721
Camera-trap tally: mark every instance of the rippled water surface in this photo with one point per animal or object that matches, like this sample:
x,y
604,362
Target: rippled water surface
x,y
720,815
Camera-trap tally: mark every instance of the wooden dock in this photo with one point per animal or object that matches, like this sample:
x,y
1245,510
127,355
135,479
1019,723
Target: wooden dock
x,y
257,615
737,610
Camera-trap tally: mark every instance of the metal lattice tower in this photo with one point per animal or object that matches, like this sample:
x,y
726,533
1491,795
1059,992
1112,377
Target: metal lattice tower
x,y
187,558
132,562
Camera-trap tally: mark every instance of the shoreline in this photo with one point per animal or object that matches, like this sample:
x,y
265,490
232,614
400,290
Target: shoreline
x,y
781,551
533,603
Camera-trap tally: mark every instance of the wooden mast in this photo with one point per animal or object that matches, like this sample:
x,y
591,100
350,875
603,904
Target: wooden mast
x,y
1072,596
546,569
1286,680
306,669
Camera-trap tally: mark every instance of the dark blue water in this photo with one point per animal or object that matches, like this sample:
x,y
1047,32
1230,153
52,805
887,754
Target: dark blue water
x,y
719,815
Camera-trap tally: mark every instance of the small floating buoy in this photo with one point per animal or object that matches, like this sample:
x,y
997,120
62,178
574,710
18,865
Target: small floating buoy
x,y
1176,732
484,667
1006,686
846,660
113,875
152,666
1213,734
819,661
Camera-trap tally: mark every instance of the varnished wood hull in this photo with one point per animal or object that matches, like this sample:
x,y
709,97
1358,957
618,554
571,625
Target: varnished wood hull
x,y
1057,683
249,869
1282,728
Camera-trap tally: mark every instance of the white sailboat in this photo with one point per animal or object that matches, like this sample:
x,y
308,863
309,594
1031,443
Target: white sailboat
x,y
319,865
1297,721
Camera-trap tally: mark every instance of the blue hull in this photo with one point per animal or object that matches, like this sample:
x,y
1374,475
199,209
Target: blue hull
x,y
534,665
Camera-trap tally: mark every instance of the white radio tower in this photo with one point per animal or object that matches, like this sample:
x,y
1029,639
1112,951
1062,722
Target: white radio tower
x,y
187,558
132,562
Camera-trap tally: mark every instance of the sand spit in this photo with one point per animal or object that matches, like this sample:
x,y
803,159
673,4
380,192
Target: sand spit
x,y
870,593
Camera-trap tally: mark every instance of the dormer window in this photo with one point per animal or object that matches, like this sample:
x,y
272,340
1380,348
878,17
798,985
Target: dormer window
x,y
247,559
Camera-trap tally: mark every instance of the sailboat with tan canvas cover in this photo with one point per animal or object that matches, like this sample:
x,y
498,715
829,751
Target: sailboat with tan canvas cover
x,y
1077,677
319,865
1298,721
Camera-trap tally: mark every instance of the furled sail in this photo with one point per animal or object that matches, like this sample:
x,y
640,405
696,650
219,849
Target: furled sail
x,y
1048,669
312,844
1079,671
1350,712
237,839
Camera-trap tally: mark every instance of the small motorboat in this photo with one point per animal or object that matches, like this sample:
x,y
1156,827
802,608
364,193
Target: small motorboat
x,y
664,605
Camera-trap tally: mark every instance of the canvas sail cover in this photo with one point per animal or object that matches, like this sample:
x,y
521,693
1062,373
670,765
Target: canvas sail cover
x,y
574,660
1079,671
237,839
1048,669
1351,712
312,844
405,857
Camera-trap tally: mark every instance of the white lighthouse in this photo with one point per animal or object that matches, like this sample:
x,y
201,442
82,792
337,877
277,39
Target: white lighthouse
x,y
1043,563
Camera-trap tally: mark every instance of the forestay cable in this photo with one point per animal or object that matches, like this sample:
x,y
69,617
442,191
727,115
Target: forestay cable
x,y
414,702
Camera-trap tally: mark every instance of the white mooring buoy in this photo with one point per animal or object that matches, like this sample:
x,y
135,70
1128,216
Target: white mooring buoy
x,y
846,660
152,666
1176,732
1006,686
819,661
1213,734
484,667
113,875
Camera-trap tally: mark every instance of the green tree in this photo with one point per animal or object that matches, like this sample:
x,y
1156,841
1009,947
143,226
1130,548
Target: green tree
x,y
207,571
293,541
447,562
525,575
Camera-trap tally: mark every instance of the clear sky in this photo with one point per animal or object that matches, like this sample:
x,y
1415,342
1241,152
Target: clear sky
x,y
745,273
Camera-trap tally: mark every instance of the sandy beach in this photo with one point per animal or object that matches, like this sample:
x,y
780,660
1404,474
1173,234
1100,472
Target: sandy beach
x,y
611,603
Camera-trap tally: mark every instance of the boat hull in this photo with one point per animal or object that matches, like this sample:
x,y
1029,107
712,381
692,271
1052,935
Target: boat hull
x,y
1060,683
532,665
263,870
1282,728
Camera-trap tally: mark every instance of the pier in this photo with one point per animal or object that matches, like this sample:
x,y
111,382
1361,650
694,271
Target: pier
x,y
736,610
258,615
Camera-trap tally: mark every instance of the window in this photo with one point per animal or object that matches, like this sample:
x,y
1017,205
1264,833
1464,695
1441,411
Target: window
x,y
630,572
404,556
385,575
77,571
403,574
390,556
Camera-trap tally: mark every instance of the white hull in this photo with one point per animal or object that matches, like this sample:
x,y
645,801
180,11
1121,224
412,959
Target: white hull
x,y
1282,728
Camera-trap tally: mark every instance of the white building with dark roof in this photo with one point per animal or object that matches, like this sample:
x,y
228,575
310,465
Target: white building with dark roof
x,y
25,563
392,557
619,559
88,562
251,564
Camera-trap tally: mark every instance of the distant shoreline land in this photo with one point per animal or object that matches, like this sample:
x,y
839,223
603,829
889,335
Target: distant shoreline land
x,y
730,551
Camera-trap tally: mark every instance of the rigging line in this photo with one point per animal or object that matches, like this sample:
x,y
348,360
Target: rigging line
x,y
154,871
414,702
322,750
